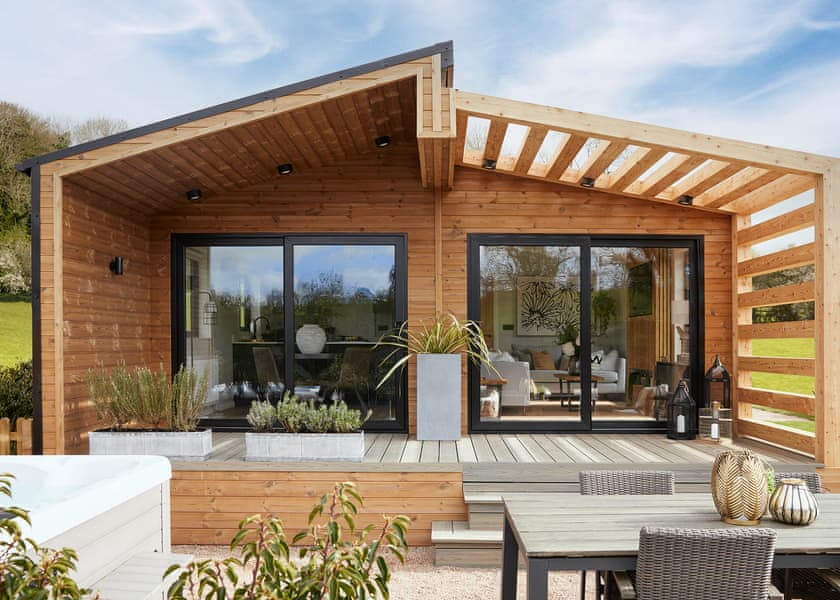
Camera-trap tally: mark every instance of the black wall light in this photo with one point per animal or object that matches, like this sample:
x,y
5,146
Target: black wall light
x,y
382,141
587,182
685,200
285,168
194,195
116,265
488,164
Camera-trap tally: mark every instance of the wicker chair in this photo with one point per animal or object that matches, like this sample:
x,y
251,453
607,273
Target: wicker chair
x,y
713,564
627,483
808,584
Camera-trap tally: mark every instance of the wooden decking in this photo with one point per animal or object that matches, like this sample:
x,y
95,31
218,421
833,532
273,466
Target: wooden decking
x,y
399,449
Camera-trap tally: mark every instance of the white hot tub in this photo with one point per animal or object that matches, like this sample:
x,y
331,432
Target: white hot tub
x,y
107,508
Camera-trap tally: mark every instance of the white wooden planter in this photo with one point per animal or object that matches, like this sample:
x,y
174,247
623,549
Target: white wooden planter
x,y
305,446
438,396
177,445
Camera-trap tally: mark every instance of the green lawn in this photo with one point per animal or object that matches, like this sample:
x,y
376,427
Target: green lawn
x,y
15,332
797,384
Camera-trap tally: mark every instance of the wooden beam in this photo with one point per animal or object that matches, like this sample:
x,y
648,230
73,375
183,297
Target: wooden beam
x,y
789,438
827,312
777,364
703,179
746,181
765,197
495,137
795,220
784,294
631,169
674,169
782,330
798,403
438,252
58,308
533,142
588,125
784,259
461,134
604,155
437,113
565,156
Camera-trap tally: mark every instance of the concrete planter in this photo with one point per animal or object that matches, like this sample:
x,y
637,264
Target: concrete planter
x,y
305,446
177,445
438,396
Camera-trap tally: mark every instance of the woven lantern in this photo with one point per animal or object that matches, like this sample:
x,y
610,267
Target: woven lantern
x,y
739,487
682,414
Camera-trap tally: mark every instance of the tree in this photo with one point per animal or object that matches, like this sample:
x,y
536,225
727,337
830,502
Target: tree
x,y
95,128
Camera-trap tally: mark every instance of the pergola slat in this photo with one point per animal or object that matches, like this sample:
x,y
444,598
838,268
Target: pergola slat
x,y
565,157
533,143
674,169
705,178
785,294
746,181
777,364
631,169
784,259
495,138
795,220
783,188
781,330
602,158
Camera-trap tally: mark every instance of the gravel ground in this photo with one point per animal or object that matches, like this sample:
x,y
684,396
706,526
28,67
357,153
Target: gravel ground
x,y
420,579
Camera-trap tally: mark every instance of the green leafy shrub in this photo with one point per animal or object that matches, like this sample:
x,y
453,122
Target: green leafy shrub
x,y
146,399
28,571
262,416
303,417
332,564
16,391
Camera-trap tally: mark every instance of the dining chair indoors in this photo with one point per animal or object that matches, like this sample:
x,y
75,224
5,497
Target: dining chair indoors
x,y
714,564
627,483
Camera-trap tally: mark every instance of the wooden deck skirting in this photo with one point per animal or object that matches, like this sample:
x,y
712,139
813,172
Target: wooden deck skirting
x,y
424,480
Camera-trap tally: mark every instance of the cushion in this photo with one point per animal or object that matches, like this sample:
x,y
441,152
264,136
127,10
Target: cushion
x,y
597,357
521,353
610,361
506,357
542,360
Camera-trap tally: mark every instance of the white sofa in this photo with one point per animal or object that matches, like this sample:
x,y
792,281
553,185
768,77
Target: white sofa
x,y
517,390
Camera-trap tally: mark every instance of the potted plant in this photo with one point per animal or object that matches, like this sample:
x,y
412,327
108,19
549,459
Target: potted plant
x,y
149,413
438,348
327,432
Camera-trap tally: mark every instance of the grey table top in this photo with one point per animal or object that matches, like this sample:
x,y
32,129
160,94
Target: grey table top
x,y
554,525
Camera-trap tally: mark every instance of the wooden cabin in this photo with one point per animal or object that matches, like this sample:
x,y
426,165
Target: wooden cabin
x,y
356,200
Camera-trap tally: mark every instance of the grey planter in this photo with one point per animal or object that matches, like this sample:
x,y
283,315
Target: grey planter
x,y
438,396
305,446
177,445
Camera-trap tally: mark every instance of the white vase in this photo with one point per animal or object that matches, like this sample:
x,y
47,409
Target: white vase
x,y
310,339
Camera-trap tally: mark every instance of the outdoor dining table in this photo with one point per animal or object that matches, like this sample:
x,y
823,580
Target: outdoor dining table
x,y
570,532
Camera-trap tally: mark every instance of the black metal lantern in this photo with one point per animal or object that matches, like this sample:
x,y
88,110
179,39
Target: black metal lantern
x,y
717,384
682,414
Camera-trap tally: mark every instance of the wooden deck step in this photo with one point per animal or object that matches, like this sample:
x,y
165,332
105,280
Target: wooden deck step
x,y
140,577
457,545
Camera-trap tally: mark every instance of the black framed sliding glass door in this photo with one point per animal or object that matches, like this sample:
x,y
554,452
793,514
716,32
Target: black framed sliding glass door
x,y
263,315
586,332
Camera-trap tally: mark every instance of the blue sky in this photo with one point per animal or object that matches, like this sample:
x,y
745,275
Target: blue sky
x,y
762,71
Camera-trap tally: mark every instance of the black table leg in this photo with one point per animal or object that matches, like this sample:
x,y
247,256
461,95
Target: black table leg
x,y
510,563
537,578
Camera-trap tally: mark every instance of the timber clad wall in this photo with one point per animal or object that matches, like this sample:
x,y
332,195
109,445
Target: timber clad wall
x,y
208,505
128,318
106,317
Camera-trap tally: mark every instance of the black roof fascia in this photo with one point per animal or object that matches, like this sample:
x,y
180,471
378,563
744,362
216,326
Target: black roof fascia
x,y
445,49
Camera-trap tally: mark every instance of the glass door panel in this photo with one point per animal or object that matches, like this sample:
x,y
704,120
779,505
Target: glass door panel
x,y
344,300
233,325
530,311
640,329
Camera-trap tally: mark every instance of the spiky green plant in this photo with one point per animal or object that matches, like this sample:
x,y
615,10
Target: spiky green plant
x,y
262,416
188,394
154,391
114,395
446,335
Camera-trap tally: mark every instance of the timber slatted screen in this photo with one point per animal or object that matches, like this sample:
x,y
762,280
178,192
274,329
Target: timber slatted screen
x,y
774,270
21,436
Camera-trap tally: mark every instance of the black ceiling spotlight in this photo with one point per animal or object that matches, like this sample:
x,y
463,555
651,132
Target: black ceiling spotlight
x,y
488,164
116,265
285,168
587,182
383,141
685,200
194,195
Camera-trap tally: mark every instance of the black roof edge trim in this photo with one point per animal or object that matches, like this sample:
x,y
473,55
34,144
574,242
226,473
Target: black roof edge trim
x,y
445,49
